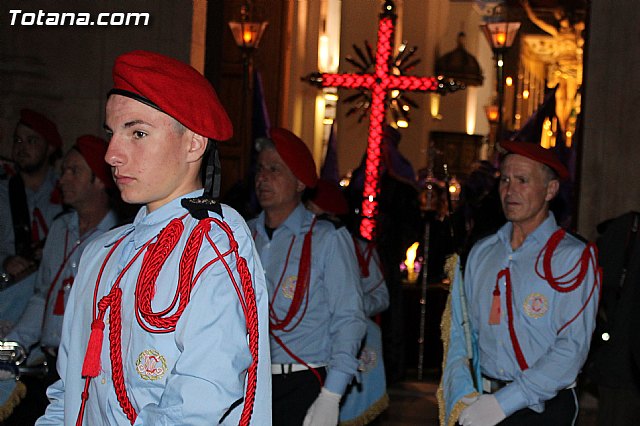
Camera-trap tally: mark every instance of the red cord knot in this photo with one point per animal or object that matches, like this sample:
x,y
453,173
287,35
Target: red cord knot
x,y
233,245
91,365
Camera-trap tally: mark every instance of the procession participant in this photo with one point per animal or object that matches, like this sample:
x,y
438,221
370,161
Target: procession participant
x,y
84,183
366,397
316,316
29,200
167,320
532,291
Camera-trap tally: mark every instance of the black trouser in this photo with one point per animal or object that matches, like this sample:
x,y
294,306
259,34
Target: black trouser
x,y
293,394
561,410
618,406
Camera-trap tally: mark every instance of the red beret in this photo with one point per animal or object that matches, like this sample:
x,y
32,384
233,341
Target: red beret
x,y
42,125
174,88
93,150
537,153
296,156
330,198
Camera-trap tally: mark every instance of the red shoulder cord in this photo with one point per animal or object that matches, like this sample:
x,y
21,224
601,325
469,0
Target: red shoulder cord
x,y
300,294
301,291
65,258
158,322
569,281
565,283
59,306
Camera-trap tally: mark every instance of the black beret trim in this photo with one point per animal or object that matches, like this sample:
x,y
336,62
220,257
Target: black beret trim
x,y
134,96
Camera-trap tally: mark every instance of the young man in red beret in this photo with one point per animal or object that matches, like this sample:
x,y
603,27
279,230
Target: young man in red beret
x,y
317,320
167,320
29,200
531,297
85,182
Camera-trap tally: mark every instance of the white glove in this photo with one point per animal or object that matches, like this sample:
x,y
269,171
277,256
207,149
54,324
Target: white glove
x,y
486,411
324,410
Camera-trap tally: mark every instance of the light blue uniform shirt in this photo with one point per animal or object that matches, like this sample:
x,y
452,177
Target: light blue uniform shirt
x,y
334,322
374,287
41,198
554,357
62,250
190,376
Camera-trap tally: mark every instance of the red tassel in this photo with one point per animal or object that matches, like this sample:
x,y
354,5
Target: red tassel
x,y
58,308
494,315
91,365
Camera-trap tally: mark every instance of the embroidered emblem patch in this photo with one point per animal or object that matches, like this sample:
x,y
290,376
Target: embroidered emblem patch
x,y
151,365
536,305
368,359
289,287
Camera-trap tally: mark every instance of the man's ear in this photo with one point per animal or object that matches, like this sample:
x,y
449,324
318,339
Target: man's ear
x,y
197,147
300,186
552,189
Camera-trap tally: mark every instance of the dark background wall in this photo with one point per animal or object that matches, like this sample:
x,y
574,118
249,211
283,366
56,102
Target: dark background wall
x,y
65,72
610,172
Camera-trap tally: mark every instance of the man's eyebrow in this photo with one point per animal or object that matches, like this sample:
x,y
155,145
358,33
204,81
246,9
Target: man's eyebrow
x,y
129,124
135,123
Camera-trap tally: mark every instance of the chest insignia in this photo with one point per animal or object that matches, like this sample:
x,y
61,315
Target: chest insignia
x,y
289,287
151,365
536,305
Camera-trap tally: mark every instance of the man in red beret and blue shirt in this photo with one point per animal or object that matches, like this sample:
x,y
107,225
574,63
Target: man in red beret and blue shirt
x,y
521,323
317,320
86,184
29,200
167,321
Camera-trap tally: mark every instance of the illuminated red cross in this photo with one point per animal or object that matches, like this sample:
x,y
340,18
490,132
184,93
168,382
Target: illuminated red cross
x,y
380,83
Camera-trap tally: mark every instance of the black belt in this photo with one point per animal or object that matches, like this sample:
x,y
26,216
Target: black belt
x,y
491,385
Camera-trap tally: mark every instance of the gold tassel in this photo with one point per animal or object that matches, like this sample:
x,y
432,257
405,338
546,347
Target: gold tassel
x,y
19,392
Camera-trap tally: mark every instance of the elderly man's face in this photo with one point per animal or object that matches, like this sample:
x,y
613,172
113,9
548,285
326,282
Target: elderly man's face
x,y
148,153
276,186
525,190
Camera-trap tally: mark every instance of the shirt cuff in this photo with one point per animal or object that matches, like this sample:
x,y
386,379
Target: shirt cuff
x,y
337,381
510,399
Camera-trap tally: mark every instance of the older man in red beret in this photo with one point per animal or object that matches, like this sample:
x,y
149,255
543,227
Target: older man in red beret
x,y
317,320
29,200
531,296
86,185
167,321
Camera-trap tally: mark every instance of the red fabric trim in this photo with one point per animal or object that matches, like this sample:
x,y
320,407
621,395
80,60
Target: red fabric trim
x,y
512,331
302,286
